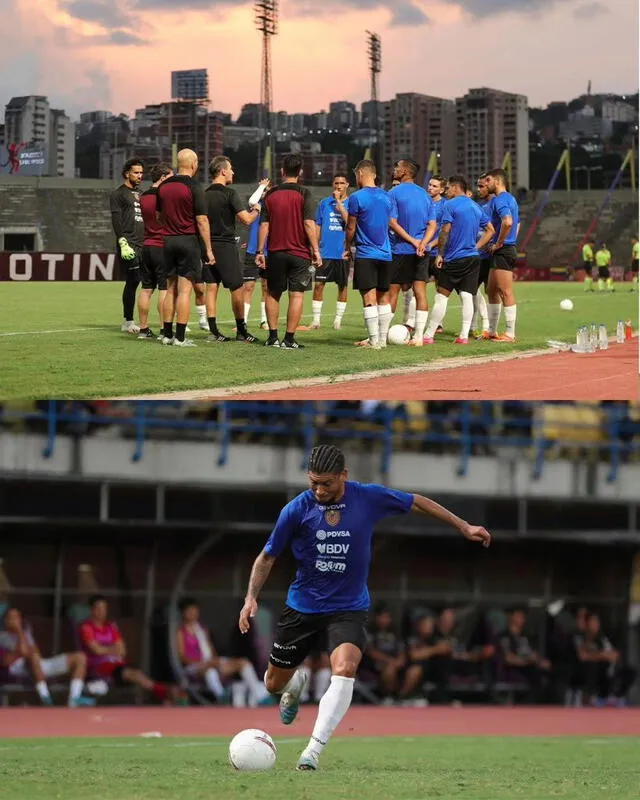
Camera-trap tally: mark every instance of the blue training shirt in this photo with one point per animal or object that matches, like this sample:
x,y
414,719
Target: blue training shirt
x,y
332,233
415,211
252,244
373,209
439,211
465,217
504,205
332,545
484,221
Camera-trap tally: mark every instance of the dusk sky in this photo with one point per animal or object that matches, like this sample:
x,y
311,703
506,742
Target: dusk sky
x,y
118,54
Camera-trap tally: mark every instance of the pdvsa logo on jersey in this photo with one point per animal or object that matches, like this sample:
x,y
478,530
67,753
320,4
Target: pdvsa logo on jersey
x,y
332,517
322,535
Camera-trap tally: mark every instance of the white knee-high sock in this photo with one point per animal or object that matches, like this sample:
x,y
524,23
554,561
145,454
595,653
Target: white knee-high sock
x,y
340,309
247,309
296,681
263,312
213,682
333,706
385,315
467,314
306,695
482,311
75,689
409,308
322,683
43,690
371,321
202,312
495,309
510,313
436,315
316,306
421,324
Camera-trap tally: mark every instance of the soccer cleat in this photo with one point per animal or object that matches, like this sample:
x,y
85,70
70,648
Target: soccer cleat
x,y
247,338
129,327
185,343
286,345
290,702
428,340
148,334
502,337
204,325
475,333
47,701
272,343
167,341
460,340
308,761
79,702
216,338
337,324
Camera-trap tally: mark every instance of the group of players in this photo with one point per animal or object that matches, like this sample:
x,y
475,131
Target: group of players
x,y
181,239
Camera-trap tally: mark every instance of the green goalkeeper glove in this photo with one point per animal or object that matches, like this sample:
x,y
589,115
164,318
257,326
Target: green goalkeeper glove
x,y
126,251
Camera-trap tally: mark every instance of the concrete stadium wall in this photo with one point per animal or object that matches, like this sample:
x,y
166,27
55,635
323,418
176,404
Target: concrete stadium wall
x,y
73,216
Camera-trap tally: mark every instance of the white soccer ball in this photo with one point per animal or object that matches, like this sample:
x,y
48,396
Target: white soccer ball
x,y
252,750
398,334
566,305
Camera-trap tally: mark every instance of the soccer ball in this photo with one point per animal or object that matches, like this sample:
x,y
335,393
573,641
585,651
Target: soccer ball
x,y
252,750
398,334
566,305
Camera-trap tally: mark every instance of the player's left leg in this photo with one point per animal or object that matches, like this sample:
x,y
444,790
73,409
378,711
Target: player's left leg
x,y
318,300
421,312
504,290
200,291
341,305
74,665
439,309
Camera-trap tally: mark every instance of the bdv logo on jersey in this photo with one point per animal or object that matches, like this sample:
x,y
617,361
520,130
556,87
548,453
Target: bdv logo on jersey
x,y
333,549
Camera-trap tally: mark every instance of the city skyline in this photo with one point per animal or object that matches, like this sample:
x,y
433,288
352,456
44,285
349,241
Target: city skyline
x,y
82,54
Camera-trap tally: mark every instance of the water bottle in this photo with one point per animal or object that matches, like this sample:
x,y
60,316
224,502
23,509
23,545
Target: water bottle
x,y
593,337
583,341
603,338
620,332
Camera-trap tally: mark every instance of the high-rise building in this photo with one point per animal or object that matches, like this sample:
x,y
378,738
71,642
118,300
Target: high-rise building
x,y
343,116
414,126
318,168
38,129
89,119
26,119
253,115
62,145
490,124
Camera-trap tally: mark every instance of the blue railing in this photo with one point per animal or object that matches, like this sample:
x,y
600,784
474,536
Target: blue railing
x,y
610,432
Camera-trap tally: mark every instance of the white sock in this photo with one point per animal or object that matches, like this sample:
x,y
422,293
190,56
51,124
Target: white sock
x,y
263,312
257,689
340,309
371,321
43,690
482,310
316,305
495,309
322,683
385,315
437,314
333,706
202,311
75,689
411,315
467,313
247,309
214,684
296,681
305,696
421,324
510,314
409,301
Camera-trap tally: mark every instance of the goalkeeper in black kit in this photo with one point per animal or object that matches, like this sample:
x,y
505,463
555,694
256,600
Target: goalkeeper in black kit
x,y
128,226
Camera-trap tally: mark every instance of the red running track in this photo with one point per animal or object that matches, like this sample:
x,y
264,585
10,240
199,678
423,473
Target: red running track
x,y
360,721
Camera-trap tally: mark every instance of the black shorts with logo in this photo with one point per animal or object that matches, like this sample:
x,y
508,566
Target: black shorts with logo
x,y
183,257
227,270
286,271
409,268
371,273
460,275
250,272
152,269
333,270
505,258
297,635
483,274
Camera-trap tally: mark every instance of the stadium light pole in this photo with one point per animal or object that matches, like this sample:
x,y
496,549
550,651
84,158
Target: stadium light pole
x,y
374,52
266,16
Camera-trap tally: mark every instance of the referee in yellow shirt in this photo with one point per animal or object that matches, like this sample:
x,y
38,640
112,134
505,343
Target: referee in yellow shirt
x,y
603,262
588,261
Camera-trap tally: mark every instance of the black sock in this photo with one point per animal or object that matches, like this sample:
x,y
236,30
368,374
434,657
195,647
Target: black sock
x,y
180,331
213,327
144,330
273,333
241,327
168,330
289,337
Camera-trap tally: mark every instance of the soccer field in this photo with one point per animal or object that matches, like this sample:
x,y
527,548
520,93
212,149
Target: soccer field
x,y
63,340
385,768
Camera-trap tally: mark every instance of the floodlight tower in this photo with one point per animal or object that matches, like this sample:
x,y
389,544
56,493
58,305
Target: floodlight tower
x,y
374,51
266,15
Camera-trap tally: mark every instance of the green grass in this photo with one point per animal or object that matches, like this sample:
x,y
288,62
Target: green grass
x,y
484,768
69,343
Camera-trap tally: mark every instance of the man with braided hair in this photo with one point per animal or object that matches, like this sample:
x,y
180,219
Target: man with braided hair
x,y
329,528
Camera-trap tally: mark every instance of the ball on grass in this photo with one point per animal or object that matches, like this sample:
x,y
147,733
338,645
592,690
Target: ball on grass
x,y
252,750
398,334
566,305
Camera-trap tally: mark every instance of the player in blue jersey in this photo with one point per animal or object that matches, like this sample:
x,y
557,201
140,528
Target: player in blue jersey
x,y
481,314
505,216
413,227
331,221
457,263
329,529
370,211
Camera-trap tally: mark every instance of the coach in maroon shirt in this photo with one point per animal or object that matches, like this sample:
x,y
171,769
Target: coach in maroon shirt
x,y
288,219
183,212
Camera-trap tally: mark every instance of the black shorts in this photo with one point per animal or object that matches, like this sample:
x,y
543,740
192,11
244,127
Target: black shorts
x,y
297,635
249,270
227,269
433,270
129,270
371,273
588,266
603,272
183,257
634,265
460,275
286,271
333,270
152,270
409,268
483,273
505,258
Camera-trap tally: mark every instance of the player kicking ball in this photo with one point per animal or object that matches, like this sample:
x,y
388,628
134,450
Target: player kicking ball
x,y
329,528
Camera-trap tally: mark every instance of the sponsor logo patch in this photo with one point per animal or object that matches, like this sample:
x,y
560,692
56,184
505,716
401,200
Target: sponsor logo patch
x,y
332,516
